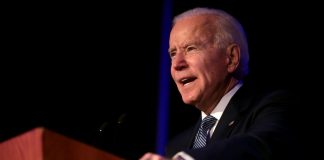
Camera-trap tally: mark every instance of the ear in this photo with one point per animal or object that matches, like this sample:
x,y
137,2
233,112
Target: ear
x,y
233,54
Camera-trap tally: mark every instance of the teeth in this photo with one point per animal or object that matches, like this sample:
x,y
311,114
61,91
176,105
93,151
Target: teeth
x,y
183,80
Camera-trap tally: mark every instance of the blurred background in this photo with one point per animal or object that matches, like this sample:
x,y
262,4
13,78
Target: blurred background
x,y
91,70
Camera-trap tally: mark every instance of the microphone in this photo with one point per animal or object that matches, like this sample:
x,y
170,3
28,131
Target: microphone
x,y
121,119
119,122
103,127
109,133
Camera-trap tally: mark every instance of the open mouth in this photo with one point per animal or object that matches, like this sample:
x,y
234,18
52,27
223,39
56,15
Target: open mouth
x,y
187,80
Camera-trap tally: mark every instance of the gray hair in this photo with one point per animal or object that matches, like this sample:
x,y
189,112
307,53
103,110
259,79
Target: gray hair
x,y
228,30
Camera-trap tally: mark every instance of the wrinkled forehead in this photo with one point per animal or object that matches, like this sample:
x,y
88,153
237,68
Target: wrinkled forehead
x,y
193,26
195,20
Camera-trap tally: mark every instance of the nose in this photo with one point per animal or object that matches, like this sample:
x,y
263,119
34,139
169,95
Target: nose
x,y
179,62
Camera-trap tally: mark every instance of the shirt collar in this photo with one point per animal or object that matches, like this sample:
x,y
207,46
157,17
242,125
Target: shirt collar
x,y
221,106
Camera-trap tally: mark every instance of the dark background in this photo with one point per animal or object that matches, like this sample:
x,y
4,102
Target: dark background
x,y
76,67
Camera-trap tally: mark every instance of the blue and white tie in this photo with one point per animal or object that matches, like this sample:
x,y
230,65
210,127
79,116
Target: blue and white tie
x,y
205,126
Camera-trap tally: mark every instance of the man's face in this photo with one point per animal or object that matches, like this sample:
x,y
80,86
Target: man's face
x,y
198,67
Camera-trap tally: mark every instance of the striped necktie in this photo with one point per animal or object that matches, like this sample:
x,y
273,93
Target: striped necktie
x,y
203,132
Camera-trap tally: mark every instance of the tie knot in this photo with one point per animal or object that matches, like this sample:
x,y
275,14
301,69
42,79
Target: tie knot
x,y
208,122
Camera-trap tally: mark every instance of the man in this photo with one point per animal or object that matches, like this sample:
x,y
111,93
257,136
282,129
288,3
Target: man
x,y
209,54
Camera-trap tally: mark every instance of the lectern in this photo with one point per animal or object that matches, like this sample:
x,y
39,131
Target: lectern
x,y
43,144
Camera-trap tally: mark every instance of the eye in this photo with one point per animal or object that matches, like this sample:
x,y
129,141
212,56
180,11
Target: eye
x,y
190,48
172,54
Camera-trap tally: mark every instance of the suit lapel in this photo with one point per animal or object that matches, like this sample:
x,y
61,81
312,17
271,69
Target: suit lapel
x,y
226,123
231,115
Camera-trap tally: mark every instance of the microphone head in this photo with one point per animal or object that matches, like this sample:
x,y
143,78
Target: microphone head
x,y
121,119
102,127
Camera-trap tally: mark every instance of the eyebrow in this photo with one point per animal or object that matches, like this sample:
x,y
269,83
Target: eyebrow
x,y
186,44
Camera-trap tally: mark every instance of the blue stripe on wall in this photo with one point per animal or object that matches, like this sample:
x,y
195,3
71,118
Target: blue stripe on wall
x,y
164,84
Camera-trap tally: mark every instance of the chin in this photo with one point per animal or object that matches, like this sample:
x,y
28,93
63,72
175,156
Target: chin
x,y
189,101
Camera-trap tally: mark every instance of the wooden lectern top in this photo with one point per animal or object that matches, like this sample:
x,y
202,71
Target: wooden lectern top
x,y
43,144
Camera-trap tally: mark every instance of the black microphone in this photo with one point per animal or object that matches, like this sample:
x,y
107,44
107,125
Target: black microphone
x,y
121,119
118,124
108,136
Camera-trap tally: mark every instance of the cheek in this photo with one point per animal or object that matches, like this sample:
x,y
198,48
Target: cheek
x,y
215,76
172,72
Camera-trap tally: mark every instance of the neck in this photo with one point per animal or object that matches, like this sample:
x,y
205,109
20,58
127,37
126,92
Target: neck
x,y
231,83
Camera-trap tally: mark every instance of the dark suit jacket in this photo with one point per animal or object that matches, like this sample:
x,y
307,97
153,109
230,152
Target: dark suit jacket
x,y
257,124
